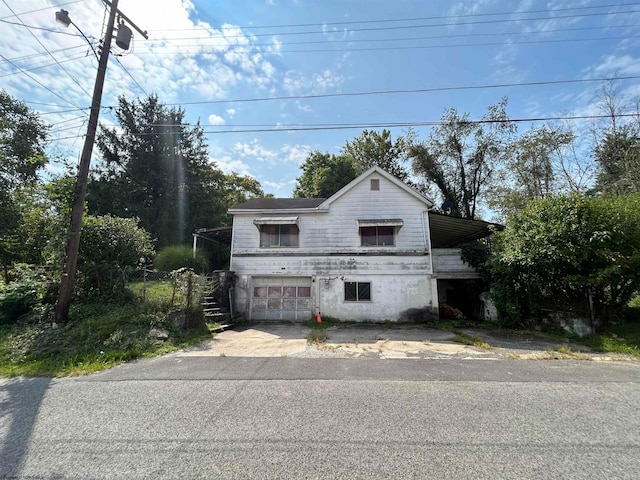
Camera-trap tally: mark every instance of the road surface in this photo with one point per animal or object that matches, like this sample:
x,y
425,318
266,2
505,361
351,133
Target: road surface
x,y
217,417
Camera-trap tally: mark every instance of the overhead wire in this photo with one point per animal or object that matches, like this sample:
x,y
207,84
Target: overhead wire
x,y
438,17
405,27
50,54
414,90
392,125
42,9
40,83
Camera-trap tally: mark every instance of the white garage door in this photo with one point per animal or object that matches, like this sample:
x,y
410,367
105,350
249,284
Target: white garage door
x,y
281,298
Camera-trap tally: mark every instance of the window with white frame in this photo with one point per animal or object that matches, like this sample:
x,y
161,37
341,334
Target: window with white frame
x,y
357,291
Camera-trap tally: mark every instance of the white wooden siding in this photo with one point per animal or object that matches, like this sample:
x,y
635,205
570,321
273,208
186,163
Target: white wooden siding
x,y
336,230
447,263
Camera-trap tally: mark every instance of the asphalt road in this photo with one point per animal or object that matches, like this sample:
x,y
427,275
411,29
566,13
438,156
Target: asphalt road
x,y
218,417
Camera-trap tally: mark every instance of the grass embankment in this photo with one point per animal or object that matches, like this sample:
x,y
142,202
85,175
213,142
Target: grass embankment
x,y
97,336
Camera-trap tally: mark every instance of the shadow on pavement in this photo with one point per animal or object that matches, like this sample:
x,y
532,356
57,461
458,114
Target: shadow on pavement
x,y
20,400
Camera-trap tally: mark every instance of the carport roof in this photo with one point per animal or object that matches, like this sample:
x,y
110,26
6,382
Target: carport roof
x,y
449,232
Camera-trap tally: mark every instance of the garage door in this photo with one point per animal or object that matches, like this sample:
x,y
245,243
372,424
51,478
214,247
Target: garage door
x,y
281,298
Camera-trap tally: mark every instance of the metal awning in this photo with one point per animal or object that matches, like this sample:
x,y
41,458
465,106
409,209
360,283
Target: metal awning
x,y
276,221
389,222
449,232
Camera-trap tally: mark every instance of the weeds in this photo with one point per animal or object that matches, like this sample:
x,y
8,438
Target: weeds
x,y
95,337
472,340
318,336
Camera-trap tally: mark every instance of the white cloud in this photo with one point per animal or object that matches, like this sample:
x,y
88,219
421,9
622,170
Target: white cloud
x,y
255,150
617,65
230,165
275,185
216,120
230,112
295,153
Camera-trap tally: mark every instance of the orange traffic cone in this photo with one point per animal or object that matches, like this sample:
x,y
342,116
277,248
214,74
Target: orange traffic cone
x,y
319,318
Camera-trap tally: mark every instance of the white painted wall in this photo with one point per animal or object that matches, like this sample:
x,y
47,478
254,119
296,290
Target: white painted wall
x,y
336,230
329,248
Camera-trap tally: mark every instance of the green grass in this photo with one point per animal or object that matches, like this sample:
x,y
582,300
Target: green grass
x,y
623,338
158,294
96,337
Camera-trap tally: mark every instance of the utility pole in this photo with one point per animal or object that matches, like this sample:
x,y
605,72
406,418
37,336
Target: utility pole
x,y
80,190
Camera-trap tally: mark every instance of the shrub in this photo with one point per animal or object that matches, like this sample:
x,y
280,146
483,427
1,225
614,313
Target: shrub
x,y
180,256
110,247
559,250
30,288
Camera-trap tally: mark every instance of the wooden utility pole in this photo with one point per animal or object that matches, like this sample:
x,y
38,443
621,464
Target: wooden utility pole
x,y
80,190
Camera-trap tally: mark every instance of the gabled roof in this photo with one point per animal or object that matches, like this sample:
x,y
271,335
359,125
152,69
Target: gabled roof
x,y
277,204
376,169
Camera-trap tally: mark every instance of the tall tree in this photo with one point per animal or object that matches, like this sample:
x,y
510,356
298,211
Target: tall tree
x,y
156,168
461,156
533,169
22,140
377,148
323,174
618,158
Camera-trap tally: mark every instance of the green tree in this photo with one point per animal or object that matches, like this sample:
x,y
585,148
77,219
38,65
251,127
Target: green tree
x,y
562,249
618,158
110,247
323,174
157,169
22,141
532,170
374,148
461,156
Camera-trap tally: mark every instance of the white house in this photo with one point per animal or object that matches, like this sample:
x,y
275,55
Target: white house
x,y
370,252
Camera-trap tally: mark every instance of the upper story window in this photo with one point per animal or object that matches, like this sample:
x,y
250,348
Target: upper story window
x,y
377,236
279,235
379,233
278,231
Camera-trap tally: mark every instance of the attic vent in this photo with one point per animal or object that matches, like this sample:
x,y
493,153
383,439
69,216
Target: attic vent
x,y
375,184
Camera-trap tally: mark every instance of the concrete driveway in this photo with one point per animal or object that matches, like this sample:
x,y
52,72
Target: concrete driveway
x,y
386,342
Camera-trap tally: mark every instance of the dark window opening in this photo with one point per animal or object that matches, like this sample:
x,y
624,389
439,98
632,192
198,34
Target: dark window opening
x,y
357,291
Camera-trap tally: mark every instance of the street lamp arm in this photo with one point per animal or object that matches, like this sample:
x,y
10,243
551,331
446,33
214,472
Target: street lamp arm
x,y
87,40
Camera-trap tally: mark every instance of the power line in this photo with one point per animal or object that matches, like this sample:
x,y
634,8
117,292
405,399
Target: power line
x,y
416,90
39,54
41,9
38,28
40,83
131,76
47,50
38,67
243,49
404,27
441,17
390,125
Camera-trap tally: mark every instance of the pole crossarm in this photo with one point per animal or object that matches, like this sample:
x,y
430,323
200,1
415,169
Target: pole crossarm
x,y
140,31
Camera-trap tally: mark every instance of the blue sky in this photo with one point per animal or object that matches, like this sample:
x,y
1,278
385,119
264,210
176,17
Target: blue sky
x,y
211,57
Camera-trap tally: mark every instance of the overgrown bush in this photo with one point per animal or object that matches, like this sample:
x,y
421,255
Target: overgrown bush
x,y
562,250
110,248
30,289
180,256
